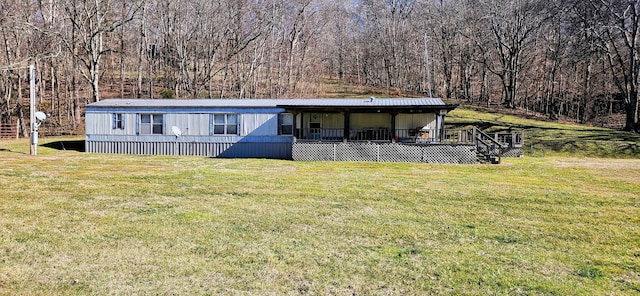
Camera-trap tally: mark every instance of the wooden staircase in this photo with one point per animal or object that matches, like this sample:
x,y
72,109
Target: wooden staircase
x,y
489,149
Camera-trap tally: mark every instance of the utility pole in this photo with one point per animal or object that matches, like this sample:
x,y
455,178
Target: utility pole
x,y
32,110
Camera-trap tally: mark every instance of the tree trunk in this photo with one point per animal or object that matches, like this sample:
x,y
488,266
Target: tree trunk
x,y
631,123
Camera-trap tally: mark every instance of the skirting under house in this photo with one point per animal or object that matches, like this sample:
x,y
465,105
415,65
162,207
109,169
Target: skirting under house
x,y
190,146
369,152
385,152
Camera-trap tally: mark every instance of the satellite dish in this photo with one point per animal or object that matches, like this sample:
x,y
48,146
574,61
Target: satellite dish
x,y
176,131
40,115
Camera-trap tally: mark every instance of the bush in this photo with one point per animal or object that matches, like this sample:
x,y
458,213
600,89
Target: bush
x,y
167,94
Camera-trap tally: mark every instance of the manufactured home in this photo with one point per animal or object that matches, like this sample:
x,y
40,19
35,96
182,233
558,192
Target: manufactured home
x,y
299,129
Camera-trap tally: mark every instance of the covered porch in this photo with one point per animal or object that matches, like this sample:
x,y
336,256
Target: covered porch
x,y
379,124
388,130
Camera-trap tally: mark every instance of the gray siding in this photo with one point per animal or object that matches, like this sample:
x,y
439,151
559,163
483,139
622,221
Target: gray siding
x,y
189,124
258,135
102,124
258,124
190,139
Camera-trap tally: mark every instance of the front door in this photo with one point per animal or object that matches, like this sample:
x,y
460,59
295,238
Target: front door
x,y
315,126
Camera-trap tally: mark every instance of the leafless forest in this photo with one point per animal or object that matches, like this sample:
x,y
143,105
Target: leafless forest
x,y
575,59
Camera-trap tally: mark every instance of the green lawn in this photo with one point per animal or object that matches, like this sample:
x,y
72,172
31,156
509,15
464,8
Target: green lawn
x,y
76,223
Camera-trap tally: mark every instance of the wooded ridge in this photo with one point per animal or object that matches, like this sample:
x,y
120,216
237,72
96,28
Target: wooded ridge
x,y
578,58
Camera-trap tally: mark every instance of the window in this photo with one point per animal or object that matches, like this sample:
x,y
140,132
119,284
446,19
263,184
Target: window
x,y
151,124
225,124
286,124
118,121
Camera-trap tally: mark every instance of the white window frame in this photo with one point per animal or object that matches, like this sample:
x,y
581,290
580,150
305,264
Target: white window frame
x,y
155,126
117,121
225,124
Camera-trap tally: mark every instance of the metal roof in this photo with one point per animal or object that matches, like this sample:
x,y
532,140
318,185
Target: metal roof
x,y
267,103
374,102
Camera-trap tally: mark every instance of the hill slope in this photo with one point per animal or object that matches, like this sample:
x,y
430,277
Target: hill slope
x,y
552,138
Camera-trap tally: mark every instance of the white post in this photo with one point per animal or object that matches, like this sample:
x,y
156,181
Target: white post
x,y
32,110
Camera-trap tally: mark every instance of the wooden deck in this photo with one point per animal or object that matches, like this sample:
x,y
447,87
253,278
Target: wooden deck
x,y
431,146
491,146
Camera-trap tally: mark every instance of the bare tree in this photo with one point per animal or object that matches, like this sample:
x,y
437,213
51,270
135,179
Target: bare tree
x,y
508,32
91,20
615,26
559,58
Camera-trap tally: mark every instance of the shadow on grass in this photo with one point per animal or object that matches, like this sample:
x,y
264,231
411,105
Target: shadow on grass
x,y
591,148
593,134
11,151
67,145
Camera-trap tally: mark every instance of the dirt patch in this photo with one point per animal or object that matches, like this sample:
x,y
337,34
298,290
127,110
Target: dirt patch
x,y
600,164
627,170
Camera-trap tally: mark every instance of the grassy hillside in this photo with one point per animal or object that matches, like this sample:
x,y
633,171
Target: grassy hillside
x,y
551,138
77,223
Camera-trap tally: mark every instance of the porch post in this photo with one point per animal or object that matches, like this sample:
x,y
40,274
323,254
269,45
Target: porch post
x,y
295,126
440,124
345,136
301,130
393,127
442,131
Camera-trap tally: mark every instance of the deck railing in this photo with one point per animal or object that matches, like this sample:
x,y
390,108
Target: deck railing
x,y
337,134
415,135
322,134
418,135
493,146
511,139
369,134
470,136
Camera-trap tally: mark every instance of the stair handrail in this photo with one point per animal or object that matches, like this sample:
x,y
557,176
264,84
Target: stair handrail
x,y
484,135
479,137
